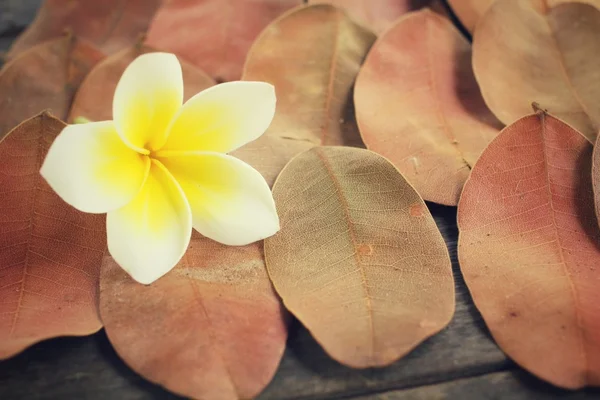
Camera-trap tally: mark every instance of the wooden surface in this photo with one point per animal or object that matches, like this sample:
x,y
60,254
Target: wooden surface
x,y
462,362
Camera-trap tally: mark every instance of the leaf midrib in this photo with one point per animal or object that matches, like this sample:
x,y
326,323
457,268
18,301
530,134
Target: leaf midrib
x,y
212,337
352,235
330,83
448,131
578,318
563,70
34,202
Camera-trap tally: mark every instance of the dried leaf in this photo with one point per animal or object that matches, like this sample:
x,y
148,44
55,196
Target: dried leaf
x,y
215,35
524,52
94,98
529,249
418,104
269,154
212,328
470,11
312,55
50,253
44,77
379,15
359,259
111,25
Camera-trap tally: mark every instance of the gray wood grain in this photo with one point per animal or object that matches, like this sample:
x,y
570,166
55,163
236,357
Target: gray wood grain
x,y
15,15
513,385
5,43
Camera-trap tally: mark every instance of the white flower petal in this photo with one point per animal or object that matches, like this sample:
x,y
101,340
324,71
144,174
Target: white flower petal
x,y
149,236
223,118
231,202
148,96
91,169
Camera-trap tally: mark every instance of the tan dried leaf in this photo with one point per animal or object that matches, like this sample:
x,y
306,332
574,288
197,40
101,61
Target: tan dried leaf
x,y
526,51
50,253
529,249
44,77
359,259
212,328
418,104
312,55
94,98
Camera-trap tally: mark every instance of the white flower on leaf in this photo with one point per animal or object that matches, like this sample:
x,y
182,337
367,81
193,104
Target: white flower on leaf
x,y
160,167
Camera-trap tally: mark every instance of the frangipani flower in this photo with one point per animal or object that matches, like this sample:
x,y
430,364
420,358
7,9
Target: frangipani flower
x,y
159,168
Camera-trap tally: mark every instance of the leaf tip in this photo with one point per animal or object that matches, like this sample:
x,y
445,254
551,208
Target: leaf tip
x,y
47,113
537,109
68,34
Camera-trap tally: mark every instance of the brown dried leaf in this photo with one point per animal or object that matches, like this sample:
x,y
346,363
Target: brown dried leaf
x,y
95,95
111,25
379,15
418,104
215,35
470,11
529,249
212,328
44,77
525,51
312,55
359,259
50,253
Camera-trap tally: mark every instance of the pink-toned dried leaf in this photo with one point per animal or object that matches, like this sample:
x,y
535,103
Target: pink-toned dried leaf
x,y
44,77
418,104
379,15
111,25
529,249
359,259
470,11
95,95
50,253
526,51
311,55
215,35
212,328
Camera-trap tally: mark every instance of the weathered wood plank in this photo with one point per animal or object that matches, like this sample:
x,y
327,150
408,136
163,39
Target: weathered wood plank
x,y
15,15
5,43
513,385
73,368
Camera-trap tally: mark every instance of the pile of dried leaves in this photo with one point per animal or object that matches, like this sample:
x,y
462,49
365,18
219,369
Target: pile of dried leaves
x,y
359,260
